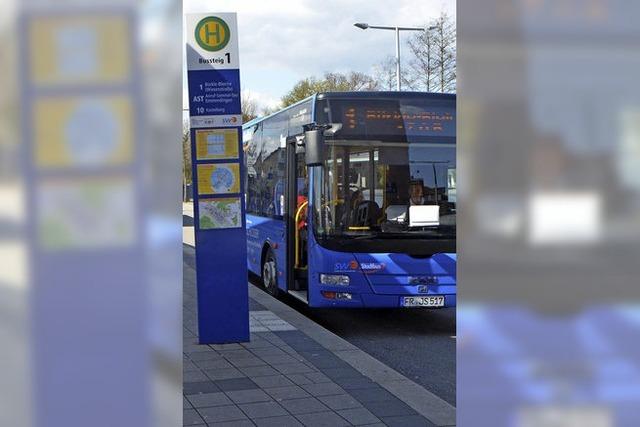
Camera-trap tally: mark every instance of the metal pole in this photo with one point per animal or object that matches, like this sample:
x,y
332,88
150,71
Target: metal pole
x,y
398,84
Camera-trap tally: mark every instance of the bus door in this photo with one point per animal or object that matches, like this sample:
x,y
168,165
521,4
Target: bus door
x,y
297,230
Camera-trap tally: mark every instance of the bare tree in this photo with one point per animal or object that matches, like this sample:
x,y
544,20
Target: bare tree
x,y
249,107
186,157
433,67
422,65
445,44
384,73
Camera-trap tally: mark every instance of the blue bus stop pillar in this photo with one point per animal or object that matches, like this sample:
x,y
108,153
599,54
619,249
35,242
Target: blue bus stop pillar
x,y
217,168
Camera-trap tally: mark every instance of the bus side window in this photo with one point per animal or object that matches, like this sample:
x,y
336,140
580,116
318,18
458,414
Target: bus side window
x,y
254,170
274,164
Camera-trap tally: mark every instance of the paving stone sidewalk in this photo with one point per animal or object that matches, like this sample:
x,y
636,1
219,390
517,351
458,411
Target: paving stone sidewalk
x,y
281,378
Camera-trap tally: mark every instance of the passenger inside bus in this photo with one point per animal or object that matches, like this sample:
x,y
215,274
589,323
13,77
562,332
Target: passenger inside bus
x,y
302,198
350,215
416,198
301,219
362,213
416,192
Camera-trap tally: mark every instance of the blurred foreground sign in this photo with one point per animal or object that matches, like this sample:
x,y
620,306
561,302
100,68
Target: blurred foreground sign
x,y
216,153
82,163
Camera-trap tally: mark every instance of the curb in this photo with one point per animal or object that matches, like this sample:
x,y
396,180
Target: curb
x,y
427,404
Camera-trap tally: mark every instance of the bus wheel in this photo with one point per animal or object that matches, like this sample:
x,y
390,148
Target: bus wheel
x,y
270,274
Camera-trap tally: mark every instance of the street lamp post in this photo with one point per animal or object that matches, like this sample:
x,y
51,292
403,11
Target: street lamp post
x,y
398,77
364,26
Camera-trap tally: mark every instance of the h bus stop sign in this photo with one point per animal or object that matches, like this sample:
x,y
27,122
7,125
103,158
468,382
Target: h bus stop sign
x,y
217,160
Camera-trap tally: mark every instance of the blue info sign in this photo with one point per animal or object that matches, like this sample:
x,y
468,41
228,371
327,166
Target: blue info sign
x,y
216,152
215,92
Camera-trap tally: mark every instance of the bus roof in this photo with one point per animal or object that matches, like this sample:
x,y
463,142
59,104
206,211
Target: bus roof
x,y
358,95
385,94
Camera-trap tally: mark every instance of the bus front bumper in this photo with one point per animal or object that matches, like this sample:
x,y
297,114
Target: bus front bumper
x,y
346,298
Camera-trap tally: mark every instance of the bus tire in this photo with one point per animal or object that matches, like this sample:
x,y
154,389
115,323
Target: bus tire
x,y
270,274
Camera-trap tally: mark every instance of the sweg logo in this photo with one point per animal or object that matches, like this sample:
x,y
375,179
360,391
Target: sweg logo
x,y
345,266
230,120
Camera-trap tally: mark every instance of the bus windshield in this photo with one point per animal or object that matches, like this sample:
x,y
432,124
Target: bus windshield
x,y
387,189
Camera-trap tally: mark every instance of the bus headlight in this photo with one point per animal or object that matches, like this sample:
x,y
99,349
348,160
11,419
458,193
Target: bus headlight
x,y
334,279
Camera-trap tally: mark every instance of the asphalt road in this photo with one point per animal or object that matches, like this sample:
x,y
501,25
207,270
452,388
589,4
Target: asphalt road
x,y
418,343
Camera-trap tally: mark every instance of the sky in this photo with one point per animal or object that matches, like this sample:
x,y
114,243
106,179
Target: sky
x,y
284,41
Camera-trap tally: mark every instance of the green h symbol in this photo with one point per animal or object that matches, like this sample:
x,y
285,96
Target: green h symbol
x,y
208,33
212,34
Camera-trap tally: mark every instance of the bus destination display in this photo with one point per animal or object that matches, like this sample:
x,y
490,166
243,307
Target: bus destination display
x,y
387,120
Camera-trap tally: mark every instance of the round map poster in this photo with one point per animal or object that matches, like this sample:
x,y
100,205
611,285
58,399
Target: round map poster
x,y
221,178
220,213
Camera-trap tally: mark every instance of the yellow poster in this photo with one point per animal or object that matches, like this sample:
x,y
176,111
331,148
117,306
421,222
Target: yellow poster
x,y
85,49
217,144
222,178
83,131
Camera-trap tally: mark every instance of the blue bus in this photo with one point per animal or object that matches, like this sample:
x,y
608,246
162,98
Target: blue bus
x,y
351,199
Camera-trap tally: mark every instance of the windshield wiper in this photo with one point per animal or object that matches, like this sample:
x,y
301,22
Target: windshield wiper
x,y
364,236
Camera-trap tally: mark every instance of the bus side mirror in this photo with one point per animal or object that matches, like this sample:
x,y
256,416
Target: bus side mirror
x,y
314,147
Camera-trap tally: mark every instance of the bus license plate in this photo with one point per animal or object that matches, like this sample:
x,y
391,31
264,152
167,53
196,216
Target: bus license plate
x,y
435,301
